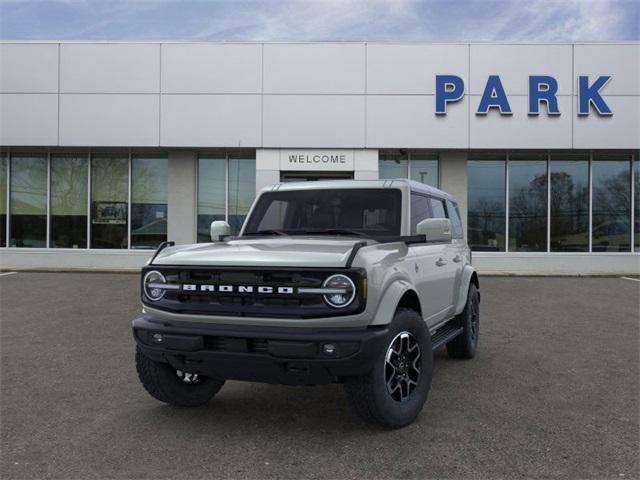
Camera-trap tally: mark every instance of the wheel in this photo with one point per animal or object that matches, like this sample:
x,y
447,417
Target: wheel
x,y
393,393
466,344
172,386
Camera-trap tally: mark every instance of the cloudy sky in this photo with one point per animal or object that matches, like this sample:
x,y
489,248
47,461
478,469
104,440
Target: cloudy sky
x,y
273,20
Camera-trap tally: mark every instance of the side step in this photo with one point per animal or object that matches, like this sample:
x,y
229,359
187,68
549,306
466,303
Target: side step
x,y
444,335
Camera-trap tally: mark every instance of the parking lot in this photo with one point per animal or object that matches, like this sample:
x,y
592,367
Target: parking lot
x,y
553,393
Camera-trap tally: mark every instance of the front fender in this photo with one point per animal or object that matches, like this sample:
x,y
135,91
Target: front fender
x,y
389,302
467,274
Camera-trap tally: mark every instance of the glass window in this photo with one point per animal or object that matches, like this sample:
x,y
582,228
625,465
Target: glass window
x,y
3,199
611,181
393,165
211,194
419,210
149,194
456,222
242,189
636,188
374,212
109,196
437,208
28,200
424,168
569,203
69,178
528,203
487,204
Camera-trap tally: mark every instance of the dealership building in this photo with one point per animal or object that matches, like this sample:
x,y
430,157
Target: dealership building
x,y
107,149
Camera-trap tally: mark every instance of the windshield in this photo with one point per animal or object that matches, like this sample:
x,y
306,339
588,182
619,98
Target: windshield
x,y
374,212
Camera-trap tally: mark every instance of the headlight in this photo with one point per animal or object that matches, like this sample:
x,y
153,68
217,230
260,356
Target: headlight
x,y
339,290
153,285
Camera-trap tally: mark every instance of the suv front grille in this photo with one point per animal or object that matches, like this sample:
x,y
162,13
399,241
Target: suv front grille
x,y
273,304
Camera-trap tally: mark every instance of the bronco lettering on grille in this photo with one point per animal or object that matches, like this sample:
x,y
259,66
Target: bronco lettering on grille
x,y
191,287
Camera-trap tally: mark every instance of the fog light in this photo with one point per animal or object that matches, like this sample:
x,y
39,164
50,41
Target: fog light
x,y
156,338
329,348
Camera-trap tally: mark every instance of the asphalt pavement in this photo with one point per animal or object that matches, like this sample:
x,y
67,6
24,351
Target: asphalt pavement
x,y
553,393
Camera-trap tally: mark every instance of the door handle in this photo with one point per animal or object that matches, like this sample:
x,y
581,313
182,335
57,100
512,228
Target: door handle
x,y
441,262
457,258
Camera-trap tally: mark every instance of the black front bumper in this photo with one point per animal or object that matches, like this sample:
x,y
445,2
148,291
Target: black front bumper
x,y
290,356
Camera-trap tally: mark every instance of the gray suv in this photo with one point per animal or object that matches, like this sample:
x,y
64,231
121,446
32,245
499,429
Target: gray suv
x,y
354,282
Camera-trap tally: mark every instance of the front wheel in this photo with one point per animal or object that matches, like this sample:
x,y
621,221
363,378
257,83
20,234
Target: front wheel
x,y
182,389
393,393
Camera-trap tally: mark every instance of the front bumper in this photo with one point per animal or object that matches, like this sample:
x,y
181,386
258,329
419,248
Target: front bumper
x,y
290,356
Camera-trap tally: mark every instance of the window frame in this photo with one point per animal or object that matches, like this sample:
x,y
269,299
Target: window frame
x,y
409,154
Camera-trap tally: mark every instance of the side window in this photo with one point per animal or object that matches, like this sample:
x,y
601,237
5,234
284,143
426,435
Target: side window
x,y
454,215
437,206
419,210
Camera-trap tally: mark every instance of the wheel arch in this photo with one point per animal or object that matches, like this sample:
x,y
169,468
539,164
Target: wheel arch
x,y
469,276
399,294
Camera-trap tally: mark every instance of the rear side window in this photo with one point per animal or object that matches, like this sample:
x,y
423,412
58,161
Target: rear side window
x,y
456,222
437,207
419,210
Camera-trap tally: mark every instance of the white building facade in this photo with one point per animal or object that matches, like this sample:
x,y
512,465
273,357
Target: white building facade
x,y
107,149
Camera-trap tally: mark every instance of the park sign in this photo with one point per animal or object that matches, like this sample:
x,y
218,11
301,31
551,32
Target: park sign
x,y
542,89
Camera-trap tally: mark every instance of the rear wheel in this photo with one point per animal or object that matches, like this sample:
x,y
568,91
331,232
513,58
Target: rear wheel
x,y
465,345
175,387
393,393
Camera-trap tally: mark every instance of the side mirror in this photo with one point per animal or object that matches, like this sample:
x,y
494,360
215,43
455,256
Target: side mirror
x,y
435,229
219,229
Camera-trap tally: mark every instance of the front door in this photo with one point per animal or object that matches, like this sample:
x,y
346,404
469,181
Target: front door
x,y
314,176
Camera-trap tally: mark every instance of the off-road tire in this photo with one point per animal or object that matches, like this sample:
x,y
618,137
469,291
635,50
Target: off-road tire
x,y
163,383
465,345
369,395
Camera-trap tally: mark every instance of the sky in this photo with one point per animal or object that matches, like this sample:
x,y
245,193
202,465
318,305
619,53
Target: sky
x,y
321,20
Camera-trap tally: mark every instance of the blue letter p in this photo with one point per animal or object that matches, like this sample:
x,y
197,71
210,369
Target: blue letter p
x,y
449,88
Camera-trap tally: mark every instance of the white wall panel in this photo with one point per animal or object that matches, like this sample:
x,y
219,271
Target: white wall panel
x,y
411,69
211,68
409,121
521,130
313,121
211,120
28,119
620,61
110,68
514,64
28,68
621,130
314,68
109,120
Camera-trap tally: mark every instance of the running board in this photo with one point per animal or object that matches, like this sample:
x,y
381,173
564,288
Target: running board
x,y
444,335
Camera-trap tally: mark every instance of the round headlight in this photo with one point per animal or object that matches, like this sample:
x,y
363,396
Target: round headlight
x,y
152,285
340,290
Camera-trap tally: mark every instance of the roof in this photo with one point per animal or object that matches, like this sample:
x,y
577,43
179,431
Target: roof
x,y
346,184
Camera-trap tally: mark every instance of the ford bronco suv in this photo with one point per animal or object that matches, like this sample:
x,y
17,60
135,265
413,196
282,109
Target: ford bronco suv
x,y
355,282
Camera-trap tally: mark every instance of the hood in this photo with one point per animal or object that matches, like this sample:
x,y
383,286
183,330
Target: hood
x,y
263,252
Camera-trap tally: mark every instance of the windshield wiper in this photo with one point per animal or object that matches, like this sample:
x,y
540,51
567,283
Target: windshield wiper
x,y
266,232
336,231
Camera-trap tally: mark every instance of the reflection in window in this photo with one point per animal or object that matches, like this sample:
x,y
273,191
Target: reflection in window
x,y
149,194
424,169
419,210
636,189
393,165
3,199
569,203
109,194
28,201
611,181
456,221
242,189
528,203
211,194
69,201
487,205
